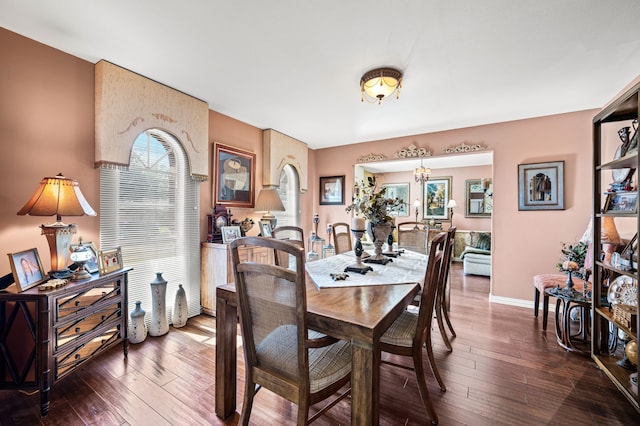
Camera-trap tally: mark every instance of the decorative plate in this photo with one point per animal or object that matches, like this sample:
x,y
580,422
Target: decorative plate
x,y
623,290
619,175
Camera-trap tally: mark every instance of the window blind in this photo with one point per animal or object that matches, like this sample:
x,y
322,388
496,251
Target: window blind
x,y
150,210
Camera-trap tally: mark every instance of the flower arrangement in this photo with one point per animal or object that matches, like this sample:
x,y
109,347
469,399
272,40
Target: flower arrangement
x,y
573,257
374,206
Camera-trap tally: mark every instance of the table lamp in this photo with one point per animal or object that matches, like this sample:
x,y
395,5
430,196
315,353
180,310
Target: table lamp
x,y
269,201
59,196
609,237
416,204
452,205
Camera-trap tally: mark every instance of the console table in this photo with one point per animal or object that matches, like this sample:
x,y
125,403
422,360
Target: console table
x,y
568,300
47,335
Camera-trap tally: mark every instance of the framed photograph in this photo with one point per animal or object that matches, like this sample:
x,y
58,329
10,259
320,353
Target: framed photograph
x,y
265,228
92,265
401,191
541,186
234,176
332,190
621,202
27,269
109,261
230,233
436,193
478,202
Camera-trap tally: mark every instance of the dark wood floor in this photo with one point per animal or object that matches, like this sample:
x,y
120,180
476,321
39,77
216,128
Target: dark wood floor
x,y
504,370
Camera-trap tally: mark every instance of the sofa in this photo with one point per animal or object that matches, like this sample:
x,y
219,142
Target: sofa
x,y
476,257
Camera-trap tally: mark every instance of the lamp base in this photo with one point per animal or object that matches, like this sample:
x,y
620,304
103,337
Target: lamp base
x,y
59,238
273,221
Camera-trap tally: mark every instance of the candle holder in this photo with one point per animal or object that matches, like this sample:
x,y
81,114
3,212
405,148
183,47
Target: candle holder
x,y
358,267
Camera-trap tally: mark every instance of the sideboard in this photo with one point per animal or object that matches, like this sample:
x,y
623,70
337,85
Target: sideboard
x,y
47,335
216,269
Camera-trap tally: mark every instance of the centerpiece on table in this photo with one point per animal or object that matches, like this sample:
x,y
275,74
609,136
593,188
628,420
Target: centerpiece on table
x,y
375,206
573,261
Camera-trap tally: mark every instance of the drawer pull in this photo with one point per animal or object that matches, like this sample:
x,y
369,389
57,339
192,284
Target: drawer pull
x,y
104,293
77,329
103,317
77,356
77,303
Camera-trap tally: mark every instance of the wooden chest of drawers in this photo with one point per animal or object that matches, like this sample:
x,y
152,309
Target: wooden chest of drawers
x,y
46,335
216,269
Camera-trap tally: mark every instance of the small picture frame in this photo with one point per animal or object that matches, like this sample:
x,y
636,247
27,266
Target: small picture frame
x,y
332,190
27,269
230,233
92,265
621,202
265,229
630,253
109,261
541,186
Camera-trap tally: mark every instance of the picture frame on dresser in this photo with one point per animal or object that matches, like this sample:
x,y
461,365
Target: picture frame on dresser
x,y
110,260
230,233
27,269
265,228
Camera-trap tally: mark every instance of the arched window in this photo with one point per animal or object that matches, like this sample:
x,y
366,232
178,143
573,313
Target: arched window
x,y
289,191
150,210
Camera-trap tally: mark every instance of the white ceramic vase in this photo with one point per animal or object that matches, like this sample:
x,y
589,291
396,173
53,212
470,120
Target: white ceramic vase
x,y
137,328
159,322
180,310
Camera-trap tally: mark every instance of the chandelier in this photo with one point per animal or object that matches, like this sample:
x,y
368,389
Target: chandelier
x,y
421,174
379,84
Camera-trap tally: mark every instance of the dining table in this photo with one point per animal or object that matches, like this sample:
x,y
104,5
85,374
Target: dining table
x,y
357,313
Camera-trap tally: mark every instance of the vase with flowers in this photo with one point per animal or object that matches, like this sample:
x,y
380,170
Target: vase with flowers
x,y
573,261
375,206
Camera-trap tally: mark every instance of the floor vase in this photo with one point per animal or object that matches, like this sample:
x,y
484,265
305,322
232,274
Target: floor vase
x,y
159,322
137,327
180,310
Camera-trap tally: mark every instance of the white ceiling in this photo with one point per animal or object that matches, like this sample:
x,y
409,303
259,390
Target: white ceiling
x,y
295,65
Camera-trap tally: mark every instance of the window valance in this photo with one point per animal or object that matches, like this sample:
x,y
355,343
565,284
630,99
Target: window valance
x,y
127,104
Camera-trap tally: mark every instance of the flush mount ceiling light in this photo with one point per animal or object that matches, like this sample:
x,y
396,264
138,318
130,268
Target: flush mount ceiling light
x,y
379,84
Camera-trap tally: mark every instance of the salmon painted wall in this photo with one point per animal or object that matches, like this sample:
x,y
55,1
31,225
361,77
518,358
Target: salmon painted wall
x,y
525,243
46,127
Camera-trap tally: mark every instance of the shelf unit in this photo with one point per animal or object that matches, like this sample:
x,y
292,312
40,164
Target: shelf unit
x,y
618,113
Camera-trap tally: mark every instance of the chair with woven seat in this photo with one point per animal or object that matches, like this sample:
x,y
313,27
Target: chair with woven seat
x,y
342,237
412,237
292,234
542,282
411,331
280,352
442,314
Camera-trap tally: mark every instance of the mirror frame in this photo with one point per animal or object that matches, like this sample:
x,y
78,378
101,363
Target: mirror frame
x,y
474,191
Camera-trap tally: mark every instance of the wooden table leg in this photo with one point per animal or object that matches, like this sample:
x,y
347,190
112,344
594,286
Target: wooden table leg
x,y
365,384
226,323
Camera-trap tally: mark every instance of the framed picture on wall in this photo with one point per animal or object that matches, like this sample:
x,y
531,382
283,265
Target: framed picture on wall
x,y
332,190
541,186
27,269
478,201
234,176
400,191
436,193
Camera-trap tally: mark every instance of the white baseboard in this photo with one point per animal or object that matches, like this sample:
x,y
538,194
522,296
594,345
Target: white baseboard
x,y
521,303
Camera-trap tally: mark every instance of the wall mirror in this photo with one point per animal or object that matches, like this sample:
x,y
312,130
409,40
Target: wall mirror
x,y
478,198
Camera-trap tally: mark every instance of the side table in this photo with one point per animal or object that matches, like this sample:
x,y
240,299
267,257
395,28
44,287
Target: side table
x,y
568,300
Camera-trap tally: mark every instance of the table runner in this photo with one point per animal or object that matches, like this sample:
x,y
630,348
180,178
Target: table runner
x,y
409,267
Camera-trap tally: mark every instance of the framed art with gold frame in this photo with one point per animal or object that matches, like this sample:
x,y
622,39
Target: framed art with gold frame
x,y
234,177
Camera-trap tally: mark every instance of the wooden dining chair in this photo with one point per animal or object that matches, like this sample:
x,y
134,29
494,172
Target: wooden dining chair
x,y
280,352
412,236
442,314
342,237
411,331
292,234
